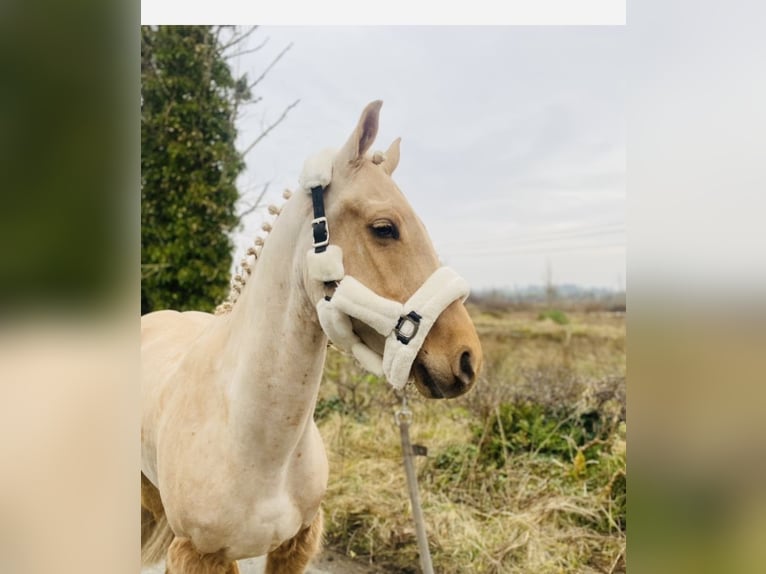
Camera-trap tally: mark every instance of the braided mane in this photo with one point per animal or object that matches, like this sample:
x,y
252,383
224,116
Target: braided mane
x,y
247,264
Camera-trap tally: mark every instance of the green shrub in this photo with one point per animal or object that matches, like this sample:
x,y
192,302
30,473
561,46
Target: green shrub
x,y
579,444
533,428
327,406
555,315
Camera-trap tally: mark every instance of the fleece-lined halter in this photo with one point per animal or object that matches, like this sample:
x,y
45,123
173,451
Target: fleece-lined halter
x,y
404,326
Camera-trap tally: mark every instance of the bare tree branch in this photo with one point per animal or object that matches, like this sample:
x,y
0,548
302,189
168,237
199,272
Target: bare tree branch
x,y
218,35
268,68
237,38
248,51
238,112
249,148
257,203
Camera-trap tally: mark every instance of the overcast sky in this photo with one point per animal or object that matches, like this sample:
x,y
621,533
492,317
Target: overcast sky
x,y
513,138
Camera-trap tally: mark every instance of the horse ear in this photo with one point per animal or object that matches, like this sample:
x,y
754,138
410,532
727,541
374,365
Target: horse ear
x,y
363,136
392,157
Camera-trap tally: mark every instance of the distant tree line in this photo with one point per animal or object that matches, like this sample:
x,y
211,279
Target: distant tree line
x,y
538,296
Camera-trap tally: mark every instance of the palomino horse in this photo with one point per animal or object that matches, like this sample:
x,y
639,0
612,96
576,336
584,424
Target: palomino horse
x,y
233,465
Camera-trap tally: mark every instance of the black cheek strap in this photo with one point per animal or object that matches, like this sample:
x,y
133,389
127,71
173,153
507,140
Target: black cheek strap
x,y
319,223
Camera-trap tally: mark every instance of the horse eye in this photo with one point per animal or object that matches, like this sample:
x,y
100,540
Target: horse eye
x,y
385,230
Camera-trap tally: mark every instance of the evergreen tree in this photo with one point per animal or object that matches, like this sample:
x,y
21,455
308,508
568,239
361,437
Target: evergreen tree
x,y
189,166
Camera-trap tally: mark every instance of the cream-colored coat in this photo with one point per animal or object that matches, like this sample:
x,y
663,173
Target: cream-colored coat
x,y
227,429
227,432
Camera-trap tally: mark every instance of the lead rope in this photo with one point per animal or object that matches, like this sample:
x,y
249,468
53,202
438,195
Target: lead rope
x,y
403,418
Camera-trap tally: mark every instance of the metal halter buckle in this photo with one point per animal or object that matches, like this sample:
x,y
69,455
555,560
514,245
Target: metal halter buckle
x,y
407,327
324,230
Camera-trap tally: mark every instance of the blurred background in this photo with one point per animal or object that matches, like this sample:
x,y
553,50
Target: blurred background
x,y
526,473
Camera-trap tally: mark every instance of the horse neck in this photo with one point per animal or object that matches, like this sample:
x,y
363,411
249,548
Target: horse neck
x,y
275,347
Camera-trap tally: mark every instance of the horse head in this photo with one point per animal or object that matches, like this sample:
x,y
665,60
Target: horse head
x,y
386,247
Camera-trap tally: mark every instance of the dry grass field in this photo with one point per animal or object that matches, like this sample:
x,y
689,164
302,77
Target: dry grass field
x,y
525,473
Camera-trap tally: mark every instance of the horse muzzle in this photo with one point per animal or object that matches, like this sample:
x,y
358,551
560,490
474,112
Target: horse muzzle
x,y
406,328
450,360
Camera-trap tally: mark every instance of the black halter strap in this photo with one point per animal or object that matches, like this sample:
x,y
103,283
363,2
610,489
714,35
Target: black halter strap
x,y
319,224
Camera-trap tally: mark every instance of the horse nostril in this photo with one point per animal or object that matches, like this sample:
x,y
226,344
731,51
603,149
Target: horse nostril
x,y
466,366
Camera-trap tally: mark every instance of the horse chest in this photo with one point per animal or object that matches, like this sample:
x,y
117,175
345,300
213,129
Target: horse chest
x,y
230,502
243,527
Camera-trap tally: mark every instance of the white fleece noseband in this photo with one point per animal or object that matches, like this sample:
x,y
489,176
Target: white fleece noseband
x,y
404,326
